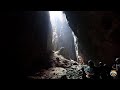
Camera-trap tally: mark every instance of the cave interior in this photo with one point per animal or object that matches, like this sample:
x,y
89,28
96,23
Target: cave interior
x,y
25,35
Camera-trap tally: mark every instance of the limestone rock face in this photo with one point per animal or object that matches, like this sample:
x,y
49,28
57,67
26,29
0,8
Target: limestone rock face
x,y
98,34
62,62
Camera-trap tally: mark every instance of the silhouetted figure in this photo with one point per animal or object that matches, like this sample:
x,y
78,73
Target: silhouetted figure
x,y
107,69
116,67
102,71
92,71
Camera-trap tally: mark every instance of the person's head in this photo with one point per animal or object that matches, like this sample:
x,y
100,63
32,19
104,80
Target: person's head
x,y
101,64
117,60
106,66
90,63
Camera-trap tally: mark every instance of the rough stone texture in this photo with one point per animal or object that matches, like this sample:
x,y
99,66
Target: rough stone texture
x,y
98,33
64,67
62,62
51,73
73,72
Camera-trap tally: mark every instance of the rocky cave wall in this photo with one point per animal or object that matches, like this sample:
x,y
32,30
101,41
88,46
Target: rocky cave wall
x,y
24,41
98,33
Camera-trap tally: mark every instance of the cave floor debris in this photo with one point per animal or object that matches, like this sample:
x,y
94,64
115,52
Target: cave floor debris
x,y
61,68
73,72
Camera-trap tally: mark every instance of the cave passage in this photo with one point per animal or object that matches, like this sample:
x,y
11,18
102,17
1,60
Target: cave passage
x,y
63,38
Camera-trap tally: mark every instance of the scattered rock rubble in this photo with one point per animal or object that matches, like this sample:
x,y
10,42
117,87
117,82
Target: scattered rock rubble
x,y
51,73
62,67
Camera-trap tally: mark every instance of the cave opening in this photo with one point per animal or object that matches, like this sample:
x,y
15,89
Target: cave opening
x,y
63,38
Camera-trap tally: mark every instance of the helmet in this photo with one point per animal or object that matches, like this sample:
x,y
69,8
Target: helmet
x,y
90,63
117,60
101,64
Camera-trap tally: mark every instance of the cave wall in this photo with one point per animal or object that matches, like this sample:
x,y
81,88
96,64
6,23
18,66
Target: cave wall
x,y
24,41
78,21
98,33
105,35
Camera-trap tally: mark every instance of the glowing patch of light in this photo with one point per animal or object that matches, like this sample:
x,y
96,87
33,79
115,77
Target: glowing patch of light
x,y
76,45
56,14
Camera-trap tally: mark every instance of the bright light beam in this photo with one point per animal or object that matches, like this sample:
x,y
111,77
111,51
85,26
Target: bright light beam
x,y
56,14
62,35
